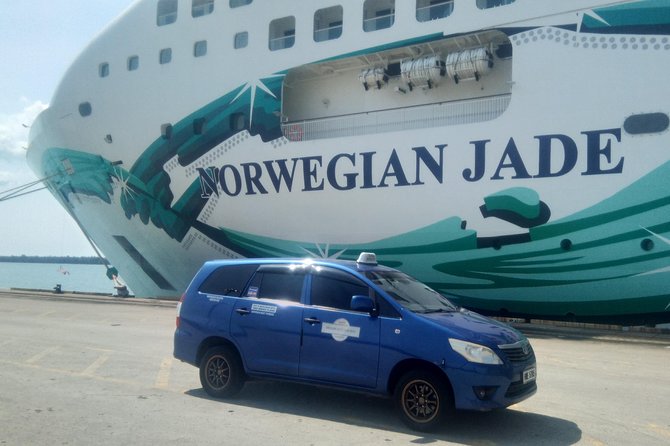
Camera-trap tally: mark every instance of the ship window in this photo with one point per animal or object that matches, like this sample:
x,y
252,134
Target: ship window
x,y
200,8
646,123
486,4
241,40
238,122
200,48
238,3
378,14
165,56
133,63
328,24
85,109
433,9
166,12
199,126
103,69
166,131
282,33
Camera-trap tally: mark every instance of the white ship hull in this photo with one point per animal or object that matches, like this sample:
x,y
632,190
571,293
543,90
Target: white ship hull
x,y
537,187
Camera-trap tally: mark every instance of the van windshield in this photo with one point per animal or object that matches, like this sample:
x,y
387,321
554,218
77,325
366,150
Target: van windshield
x,y
410,293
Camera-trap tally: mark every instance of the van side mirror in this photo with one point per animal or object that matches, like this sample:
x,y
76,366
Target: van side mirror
x,y
363,304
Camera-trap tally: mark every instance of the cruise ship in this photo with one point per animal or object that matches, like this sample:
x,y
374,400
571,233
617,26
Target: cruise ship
x,y
513,154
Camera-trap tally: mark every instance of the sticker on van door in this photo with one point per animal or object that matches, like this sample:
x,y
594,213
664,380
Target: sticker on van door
x,y
340,330
264,310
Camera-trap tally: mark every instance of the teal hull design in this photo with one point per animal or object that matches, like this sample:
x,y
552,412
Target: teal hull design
x,y
618,250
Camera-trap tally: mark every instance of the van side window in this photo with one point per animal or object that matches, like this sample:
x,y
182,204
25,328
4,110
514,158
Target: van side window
x,y
334,289
228,280
277,284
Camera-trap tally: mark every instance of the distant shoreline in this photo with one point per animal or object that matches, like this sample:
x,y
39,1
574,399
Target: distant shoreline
x,y
54,259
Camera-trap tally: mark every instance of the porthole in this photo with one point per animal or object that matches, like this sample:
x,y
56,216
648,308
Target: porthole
x,y
200,48
165,56
103,69
85,109
241,40
566,244
133,63
647,244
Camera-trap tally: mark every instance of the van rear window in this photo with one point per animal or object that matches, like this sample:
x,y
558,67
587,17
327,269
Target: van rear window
x,y
228,280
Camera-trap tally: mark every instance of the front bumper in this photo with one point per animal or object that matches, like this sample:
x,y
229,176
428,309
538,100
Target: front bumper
x,y
480,387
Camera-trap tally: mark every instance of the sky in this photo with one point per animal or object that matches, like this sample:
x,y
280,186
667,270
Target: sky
x,y
38,41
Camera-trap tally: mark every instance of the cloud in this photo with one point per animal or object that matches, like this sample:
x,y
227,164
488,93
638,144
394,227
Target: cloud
x,y
14,130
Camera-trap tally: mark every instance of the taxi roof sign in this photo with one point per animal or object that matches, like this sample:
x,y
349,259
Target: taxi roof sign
x,y
367,258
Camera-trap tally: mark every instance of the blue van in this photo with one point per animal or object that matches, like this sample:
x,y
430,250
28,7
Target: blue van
x,y
352,325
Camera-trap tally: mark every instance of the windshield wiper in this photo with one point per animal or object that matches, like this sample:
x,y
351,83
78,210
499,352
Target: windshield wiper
x,y
437,310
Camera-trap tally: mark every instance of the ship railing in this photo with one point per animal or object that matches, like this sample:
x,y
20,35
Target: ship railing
x,y
379,22
280,43
327,33
435,10
408,118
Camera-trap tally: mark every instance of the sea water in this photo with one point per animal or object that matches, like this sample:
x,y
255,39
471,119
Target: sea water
x,y
45,276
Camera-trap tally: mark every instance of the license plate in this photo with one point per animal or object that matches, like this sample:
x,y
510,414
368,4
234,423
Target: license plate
x,y
529,375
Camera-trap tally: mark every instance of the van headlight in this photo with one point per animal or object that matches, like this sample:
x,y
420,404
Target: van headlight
x,y
475,352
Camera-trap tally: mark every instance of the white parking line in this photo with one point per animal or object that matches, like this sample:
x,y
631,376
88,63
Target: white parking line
x,y
38,357
91,369
163,377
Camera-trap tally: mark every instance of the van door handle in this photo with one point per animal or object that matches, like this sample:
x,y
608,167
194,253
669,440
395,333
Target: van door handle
x,y
243,311
312,320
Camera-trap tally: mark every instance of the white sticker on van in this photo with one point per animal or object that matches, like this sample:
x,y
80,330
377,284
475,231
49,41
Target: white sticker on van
x,y
214,298
265,310
341,330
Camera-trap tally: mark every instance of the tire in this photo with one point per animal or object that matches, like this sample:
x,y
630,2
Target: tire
x,y
423,400
221,372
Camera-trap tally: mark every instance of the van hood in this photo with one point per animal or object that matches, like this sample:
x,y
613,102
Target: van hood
x,y
473,327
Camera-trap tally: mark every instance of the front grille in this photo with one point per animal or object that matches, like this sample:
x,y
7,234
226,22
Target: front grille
x,y
519,351
517,389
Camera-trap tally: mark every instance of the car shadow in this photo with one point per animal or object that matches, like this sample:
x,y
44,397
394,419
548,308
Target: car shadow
x,y
502,427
